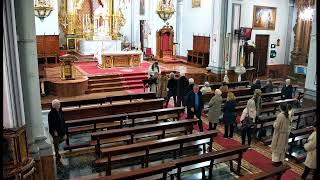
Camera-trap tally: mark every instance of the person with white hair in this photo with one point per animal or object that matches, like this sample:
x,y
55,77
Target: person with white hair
x,y
182,87
190,86
172,89
247,120
287,90
57,128
214,109
194,103
206,88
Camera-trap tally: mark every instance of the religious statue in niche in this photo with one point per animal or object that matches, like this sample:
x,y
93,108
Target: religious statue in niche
x,y
264,18
196,3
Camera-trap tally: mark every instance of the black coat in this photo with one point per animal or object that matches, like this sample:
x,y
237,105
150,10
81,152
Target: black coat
x,y
190,101
56,122
182,86
229,112
286,92
172,86
268,88
255,86
190,88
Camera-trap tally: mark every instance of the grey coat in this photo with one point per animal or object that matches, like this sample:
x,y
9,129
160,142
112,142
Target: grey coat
x,y
214,109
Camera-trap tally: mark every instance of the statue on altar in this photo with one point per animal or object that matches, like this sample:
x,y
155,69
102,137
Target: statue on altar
x,y
101,21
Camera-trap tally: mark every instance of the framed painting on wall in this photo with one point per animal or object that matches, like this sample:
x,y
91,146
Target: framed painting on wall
x,y
264,18
196,3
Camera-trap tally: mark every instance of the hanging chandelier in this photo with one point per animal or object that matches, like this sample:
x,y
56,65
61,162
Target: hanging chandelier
x,y
165,9
42,8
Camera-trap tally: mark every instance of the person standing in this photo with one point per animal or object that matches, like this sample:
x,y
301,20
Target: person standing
x,y
257,100
153,73
181,88
280,136
224,87
311,159
229,115
268,88
190,86
172,89
206,88
247,120
214,109
287,90
57,128
256,85
194,105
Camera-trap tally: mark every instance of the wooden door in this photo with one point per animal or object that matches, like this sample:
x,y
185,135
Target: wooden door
x,y
261,54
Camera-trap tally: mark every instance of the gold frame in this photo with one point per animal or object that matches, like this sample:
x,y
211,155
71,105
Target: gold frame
x,y
196,3
274,14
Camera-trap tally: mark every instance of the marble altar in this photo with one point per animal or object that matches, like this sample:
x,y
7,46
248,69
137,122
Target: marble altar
x,y
91,47
120,59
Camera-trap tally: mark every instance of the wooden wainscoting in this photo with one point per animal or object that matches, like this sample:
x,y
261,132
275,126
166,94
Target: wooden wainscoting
x,y
278,71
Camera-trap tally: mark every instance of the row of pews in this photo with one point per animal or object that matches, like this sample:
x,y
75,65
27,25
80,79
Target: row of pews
x,y
141,133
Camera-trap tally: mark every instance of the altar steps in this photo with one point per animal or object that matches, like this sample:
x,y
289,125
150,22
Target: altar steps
x,y
115,79
114,84
117,88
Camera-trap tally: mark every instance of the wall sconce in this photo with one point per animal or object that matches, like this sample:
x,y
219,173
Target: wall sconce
x,y
278,42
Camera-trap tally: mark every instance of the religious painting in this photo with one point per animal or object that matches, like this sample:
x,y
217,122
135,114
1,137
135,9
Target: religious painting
x,y
264,18
196,3
142,7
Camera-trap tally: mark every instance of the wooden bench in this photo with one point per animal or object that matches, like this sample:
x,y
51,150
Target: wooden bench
x,y
129,135
109,109
115,121
143,150
230,85
275,173
237,92
178,166
102,100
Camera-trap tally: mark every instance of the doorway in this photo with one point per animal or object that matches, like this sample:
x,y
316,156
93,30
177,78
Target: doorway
x,y
261,54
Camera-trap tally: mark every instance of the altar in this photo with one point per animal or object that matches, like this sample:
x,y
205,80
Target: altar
x,y
91,47
120,59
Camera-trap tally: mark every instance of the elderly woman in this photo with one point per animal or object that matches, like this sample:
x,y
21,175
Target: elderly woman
x,y
247,119
229,115
153,74
286,91
257,100
269,86
311,149
206,88
190,87
280,136
57,128
214,109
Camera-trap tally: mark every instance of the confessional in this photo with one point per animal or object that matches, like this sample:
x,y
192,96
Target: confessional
x,y
165,38
199,56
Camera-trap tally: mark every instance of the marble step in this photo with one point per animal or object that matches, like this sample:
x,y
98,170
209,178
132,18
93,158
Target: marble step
x,y
114,84
111,89
117,75
116,79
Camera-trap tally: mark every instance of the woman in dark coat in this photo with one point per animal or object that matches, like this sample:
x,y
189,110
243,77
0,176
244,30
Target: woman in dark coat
x,y
268,87
287,90
229,115
57,128
182,86
256,85
172,89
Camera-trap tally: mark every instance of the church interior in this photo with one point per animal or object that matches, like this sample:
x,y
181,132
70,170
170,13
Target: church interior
x,y
159,89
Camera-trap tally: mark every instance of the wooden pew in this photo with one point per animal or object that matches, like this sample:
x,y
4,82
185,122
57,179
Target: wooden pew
x,y
99,100
275,173
109,109
237,92
211,158
230,85
114,121
129,135
177,166
145,149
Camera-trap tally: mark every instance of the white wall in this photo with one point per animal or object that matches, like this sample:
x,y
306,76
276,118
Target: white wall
x,y
280,27
195,21
50,24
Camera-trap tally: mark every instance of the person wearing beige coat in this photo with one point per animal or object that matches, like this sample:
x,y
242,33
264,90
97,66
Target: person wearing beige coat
x,y
311,160
214,109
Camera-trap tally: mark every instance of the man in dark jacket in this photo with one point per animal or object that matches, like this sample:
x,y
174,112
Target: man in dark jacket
x,y
172,90
195,105
182,86
287,90
57,128
256,85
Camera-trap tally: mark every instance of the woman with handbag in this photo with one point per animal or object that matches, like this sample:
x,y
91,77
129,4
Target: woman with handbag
x,y
280,136
247,120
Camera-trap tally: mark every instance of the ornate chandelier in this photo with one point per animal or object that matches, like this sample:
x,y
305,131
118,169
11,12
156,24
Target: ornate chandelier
x,y
42,8
165,9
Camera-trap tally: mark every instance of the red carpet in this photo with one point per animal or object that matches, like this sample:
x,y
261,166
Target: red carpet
x,y
253,157
91,69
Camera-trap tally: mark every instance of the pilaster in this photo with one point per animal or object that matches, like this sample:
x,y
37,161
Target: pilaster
x,y
25,26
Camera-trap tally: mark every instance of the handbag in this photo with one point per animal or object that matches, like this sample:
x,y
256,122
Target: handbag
x,y
247,122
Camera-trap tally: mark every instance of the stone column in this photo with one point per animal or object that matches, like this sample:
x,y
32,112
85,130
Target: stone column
x,y
179,25
25,26
217,36
310,83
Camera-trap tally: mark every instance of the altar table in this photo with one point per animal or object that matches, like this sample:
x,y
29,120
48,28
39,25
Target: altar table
x,y
120,59
91,47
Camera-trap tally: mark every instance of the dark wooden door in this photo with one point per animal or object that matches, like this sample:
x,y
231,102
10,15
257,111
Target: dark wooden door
x,y
261,54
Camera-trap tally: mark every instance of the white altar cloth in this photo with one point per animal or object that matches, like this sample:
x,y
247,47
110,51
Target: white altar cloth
x,y
91,47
